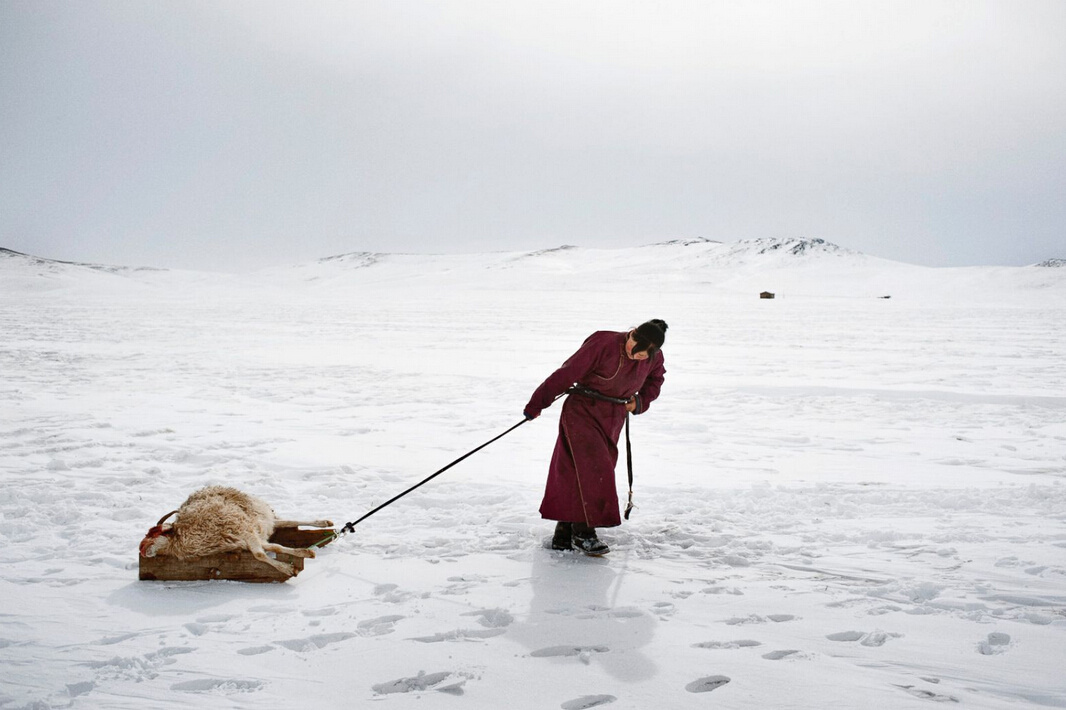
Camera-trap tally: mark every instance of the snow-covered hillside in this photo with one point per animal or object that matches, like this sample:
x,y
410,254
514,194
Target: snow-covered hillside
x,y
789,268
53,266
786,267
26,273
842,501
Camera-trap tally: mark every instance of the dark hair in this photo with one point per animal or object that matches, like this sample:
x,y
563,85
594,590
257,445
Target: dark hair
x,y
649,336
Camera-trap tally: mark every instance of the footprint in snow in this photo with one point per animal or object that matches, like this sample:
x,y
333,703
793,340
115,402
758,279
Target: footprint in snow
x,y
553,651
778,655
217,686
705,685
1010,562
492,618
584,653
215,618
138,668
165,654
1044,571
460,635
380,626
197,629
873,639
460,587
756,619
76,689
996,643
743,643
392,594
313,643
421,682
928,694
255,650
627,612
111,640
664,609
325,611
588,701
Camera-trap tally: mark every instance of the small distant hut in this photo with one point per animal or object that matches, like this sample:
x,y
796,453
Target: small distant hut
x,y
766,294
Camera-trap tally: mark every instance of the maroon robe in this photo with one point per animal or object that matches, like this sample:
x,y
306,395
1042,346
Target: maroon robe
x,y
581,486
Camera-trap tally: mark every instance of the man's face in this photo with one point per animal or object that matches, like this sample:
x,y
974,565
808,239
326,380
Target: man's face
x,y
631,343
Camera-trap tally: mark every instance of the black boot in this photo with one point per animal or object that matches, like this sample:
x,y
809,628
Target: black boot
x,y
562,537
585,540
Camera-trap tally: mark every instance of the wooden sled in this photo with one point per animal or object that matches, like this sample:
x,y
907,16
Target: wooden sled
x,y
237,566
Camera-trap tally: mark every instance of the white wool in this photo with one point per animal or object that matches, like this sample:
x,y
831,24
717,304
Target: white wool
x,y
218,519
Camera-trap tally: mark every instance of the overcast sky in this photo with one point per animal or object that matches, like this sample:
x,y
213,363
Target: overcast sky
x,y
235,135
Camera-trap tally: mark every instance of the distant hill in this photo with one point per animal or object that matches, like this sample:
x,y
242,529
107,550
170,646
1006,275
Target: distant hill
x,y
790,268
27,273
692,263
57,266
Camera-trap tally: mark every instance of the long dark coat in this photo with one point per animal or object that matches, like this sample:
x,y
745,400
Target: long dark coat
x,y
581,486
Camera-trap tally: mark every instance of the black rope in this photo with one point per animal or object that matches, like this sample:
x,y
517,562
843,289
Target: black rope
x,y
629,466
576,389
350,527
584,391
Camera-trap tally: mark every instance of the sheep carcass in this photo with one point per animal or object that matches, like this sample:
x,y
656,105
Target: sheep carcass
x,y
222,519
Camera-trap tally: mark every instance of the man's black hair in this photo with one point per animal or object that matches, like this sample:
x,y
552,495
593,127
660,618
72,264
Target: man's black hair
x,y
650,336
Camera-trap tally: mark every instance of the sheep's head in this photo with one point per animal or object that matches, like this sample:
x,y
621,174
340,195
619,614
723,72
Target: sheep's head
x,y
157,540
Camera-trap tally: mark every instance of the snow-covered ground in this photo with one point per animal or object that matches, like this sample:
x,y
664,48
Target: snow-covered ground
x,y
843,500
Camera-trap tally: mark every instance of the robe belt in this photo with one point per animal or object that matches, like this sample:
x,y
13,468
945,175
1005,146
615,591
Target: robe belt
x,y
593,394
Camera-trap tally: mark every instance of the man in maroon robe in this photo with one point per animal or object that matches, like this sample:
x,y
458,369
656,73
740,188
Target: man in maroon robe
x,y
626,367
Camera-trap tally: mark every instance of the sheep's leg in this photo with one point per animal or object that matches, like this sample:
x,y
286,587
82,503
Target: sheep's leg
x,y
294,551
297,523
256,547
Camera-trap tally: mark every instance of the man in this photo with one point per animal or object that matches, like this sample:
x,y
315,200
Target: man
x,y
615,373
